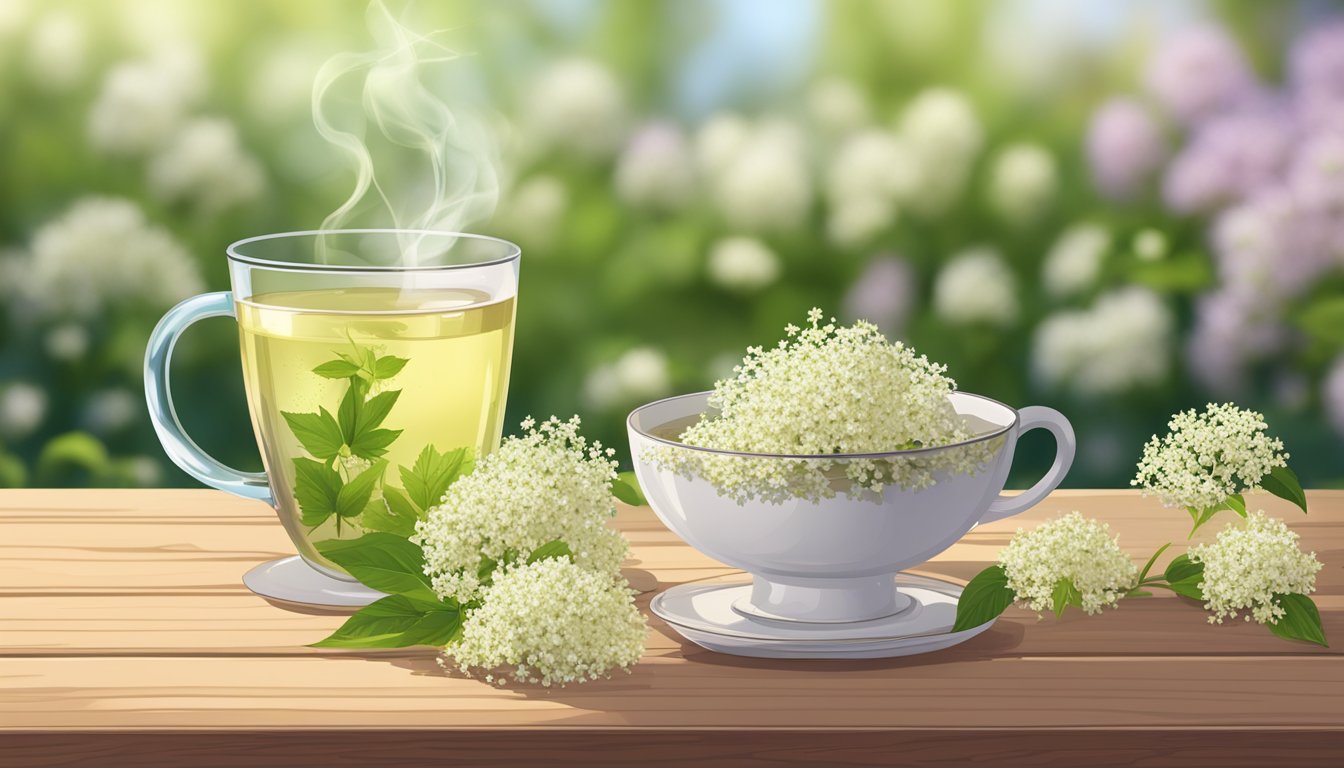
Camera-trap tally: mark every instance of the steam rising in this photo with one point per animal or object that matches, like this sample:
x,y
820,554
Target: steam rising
x,y
450,156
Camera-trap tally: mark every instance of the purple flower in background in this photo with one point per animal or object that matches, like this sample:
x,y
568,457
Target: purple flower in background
x,y
1197,72
1270,246
1232,328
1316,176
1124,147
1230,157
1316,60
884,294
1332,394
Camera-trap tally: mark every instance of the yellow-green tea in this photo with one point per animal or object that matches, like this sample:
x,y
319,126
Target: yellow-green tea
x,y
365,400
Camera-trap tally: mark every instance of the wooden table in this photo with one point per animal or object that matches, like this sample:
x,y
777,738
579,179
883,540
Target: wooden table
x,y
126,636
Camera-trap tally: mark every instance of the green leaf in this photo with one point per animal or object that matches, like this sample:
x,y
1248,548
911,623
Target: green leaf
x,y
1188,587
551,549
1148,566
1237,503
13,474
393,513
1065,594
337,369
396,622
354,495
316,487
78,450
437,628
1182,567
1283,482
347,412
485,570
1202,516
1324,319
372,445
318,432
389,366
1300,620
428,479
626,488
984,599
1185,273
385,562
370,415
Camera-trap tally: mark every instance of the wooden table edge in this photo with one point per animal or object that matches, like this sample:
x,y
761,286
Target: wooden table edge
x,y
702,747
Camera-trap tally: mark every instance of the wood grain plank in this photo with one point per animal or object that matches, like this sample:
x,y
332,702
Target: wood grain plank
x,y
716,748
124,611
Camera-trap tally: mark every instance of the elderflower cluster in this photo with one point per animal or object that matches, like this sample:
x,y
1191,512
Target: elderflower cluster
x,y
553,622
1208,456
827,390
1069,547
544,485
1248,565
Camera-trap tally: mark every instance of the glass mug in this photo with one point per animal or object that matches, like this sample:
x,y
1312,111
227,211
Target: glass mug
x,y
361,350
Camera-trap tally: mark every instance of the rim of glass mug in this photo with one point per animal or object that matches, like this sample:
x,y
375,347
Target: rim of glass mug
x,y
512,252
632,423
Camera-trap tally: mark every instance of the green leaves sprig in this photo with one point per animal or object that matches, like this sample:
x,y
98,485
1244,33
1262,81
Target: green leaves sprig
x,y
411,614
356,429
1281,482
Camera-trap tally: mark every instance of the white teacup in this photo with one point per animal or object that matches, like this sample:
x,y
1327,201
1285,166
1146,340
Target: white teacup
x,y
835,559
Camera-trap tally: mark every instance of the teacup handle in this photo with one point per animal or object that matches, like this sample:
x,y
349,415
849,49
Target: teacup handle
x,y
184,451
1029,418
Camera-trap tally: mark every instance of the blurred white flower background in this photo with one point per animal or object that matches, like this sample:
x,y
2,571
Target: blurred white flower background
x,y
1117,209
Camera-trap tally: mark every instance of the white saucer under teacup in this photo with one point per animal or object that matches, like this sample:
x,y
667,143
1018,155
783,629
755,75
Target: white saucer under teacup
x,y
827,577
718,617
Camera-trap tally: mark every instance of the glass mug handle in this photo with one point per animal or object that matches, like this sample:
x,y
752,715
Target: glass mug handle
x,y
184,451
1038,417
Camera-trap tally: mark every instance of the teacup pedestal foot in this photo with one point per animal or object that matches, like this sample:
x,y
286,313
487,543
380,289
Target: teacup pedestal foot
x,y
291,580
824,601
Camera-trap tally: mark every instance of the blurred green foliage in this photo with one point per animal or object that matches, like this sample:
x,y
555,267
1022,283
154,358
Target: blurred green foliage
x,y
609,276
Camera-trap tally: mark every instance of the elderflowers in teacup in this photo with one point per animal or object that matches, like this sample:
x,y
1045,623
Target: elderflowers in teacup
x,y
1208,459
828,390
515,567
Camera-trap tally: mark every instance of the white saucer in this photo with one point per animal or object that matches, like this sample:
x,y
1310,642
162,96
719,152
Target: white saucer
x,y
704,614
291,580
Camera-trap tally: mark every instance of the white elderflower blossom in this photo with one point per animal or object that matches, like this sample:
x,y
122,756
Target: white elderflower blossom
x,y
205,163
1248,565
719,140
535,211
941,127
1022,183
111,410
1208,455
837,106
765,185
871,175
639,374
67,342
579,105
544,485
656,169
1120,343
22,408
552,622
788,401
141,103
57,54
976,286
1074,262
103,253
742,264
1068,548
